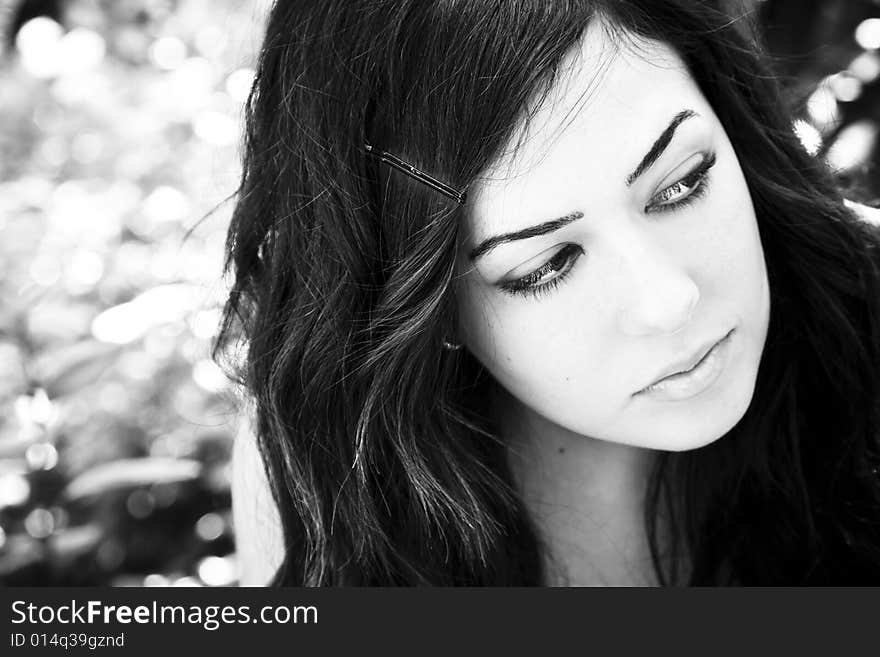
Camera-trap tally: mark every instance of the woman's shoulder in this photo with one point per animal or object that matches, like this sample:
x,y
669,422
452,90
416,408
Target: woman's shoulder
x,y
258,536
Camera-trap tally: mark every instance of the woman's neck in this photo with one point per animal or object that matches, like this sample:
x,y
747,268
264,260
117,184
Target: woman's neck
x,y
585,496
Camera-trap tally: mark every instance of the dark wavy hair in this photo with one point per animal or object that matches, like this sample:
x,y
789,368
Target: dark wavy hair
x,y
381,453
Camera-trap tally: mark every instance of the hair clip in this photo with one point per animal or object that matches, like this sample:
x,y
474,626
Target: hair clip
x,y
408,169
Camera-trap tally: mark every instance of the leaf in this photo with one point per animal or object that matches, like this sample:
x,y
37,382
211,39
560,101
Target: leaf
x,y
69,543
71,367
129,473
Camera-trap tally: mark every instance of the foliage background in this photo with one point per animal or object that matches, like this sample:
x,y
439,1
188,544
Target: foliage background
x,y
118,153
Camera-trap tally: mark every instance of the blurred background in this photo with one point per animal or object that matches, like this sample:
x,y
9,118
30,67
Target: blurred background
x,y
120,123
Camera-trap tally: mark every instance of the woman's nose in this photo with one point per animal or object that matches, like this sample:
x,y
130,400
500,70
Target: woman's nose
x,y
660,296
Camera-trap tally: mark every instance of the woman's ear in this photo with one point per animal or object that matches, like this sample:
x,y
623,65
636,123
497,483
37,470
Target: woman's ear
x,y
258,536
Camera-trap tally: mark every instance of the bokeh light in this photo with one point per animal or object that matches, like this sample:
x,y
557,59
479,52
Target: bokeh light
x,y
39,523
845,86
868,34
167,52
39,46
238,84
217,571
853,146
41,456
810,138
156,579
865,67
210,527
14,490
822,106
187,581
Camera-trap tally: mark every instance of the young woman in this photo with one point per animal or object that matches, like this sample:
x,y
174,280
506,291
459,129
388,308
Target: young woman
x,y
545,293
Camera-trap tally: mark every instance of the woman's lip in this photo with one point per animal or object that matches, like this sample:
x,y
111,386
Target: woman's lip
x,y
690,363
704,374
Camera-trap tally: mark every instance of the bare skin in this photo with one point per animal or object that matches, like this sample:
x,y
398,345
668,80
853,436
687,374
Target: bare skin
x,y
648,266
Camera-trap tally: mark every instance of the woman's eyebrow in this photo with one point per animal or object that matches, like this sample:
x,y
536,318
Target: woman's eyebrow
x,y
648,160
532,231
660,145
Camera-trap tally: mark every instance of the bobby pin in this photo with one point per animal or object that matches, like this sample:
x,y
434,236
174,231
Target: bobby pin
x,y
411,171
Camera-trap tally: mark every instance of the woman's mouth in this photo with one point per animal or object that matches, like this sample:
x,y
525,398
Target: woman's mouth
x,y
692,382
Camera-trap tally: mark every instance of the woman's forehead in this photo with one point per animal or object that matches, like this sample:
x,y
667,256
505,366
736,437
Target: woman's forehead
x,y
603,112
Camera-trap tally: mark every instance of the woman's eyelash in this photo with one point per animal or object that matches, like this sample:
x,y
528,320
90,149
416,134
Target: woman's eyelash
x,y
531,285
693,186
694,183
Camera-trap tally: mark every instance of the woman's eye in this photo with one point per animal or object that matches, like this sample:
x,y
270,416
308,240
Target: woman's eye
x,y
688,189
547,276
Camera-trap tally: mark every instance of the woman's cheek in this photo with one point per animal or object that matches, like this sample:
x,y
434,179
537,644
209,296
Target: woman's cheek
x,y
548,366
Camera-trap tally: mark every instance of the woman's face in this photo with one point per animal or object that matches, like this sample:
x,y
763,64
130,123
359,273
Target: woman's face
x,y
615,246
